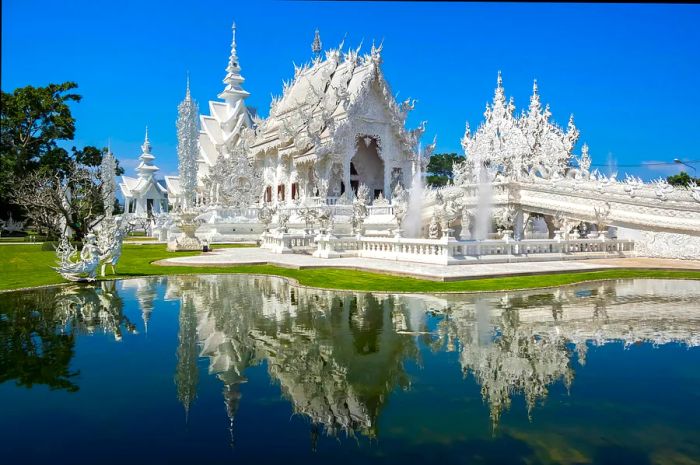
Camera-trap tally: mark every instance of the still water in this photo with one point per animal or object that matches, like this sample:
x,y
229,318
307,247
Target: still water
x,y
236,369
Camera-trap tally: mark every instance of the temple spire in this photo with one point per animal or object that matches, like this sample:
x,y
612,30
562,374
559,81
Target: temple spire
x,y
233,80
316,44
233,69
146,168
535,105
187,147
499,97
146,147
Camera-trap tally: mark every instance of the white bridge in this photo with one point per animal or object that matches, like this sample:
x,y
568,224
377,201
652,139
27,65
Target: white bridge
x,y
653,207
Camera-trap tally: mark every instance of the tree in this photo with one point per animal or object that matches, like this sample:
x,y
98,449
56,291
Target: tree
x,y
682,179
72,197
32,122
35,349
439,168
51,186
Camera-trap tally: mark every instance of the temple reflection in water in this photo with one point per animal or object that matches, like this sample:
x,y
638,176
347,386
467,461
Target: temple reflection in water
x,y
337,357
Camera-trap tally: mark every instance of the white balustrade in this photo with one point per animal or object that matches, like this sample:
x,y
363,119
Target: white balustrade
x,y
283,243
447,251
380,210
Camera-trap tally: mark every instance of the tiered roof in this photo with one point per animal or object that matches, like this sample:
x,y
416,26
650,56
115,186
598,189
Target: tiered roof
x,y
146,168
221,129
133,187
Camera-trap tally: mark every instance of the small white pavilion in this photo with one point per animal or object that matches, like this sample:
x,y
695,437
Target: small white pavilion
x,y
144,195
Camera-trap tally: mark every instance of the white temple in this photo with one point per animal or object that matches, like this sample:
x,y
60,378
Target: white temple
x,y
335,127
337,131
144,194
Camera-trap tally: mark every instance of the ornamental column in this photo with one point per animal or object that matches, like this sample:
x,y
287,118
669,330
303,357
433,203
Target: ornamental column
x,y
346,179
518,224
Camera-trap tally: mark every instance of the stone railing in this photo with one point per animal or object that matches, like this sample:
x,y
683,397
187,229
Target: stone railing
x,y
323,200
529,247
448,251
329,246
227,214
380,210
434,251
336,210
279,242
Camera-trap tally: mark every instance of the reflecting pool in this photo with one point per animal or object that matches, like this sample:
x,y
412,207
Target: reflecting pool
x,y
240,369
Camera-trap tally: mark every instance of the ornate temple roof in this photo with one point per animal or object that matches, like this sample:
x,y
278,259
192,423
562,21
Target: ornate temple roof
x,y
324,93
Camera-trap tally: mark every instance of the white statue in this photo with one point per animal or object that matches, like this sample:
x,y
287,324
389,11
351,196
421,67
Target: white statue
x,y
86,264
265,215
282,220
433,228
111,252
359,208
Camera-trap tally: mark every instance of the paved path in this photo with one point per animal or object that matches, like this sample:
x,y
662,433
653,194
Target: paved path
x,y
656,263
249,256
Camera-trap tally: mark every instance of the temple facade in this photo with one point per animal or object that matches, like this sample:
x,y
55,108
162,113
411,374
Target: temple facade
x,y
335,127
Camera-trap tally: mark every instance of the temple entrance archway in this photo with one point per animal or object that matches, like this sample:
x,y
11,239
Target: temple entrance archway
x,y
366,166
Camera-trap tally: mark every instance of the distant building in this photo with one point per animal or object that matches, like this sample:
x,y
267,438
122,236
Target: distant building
x,y
144,194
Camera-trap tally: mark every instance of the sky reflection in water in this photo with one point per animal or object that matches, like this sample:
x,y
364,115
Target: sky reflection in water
x,y
235,368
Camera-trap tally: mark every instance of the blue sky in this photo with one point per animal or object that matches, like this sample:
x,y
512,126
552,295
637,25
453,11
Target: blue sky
x,y
629,73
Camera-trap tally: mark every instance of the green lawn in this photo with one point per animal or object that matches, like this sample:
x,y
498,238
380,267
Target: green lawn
x,y
27,266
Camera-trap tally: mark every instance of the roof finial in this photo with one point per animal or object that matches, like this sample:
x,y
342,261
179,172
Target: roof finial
x,y
500,79
146,147
534,87
316,44
233,67
187,91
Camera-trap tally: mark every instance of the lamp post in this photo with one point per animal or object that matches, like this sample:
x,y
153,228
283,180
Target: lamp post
x,y
678,160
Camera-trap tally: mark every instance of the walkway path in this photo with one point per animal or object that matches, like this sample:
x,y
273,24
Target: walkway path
x,y
250,256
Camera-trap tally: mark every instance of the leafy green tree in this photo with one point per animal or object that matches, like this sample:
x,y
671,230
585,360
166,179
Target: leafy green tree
x,y
68,194
33,120
439,170
682,179
33,348
38,178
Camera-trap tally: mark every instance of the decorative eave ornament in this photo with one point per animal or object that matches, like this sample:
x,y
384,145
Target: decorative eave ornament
x,y
316,45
